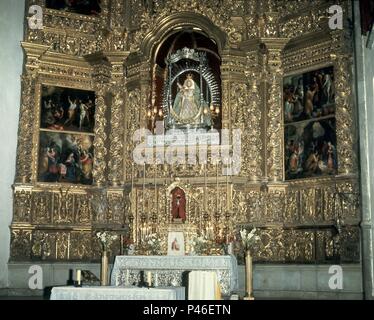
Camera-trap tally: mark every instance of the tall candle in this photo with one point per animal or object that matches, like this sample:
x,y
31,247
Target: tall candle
x,y
79,276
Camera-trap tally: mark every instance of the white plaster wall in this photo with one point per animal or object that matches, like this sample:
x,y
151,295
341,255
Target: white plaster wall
x,y
365,102
11,61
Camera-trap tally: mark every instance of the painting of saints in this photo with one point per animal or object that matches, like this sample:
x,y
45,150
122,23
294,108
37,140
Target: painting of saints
x,y
66,109
66,158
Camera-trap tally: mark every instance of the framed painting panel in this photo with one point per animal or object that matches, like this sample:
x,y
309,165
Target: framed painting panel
x,y
87,7
65,158
310,149
310,95
65,109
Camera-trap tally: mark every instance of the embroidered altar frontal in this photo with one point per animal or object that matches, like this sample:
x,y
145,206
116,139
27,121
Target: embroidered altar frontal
x,y
170,270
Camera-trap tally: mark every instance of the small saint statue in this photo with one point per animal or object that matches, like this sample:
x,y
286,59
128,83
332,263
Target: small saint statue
x,y
178,206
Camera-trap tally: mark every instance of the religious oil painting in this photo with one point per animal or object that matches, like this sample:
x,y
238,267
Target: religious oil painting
x,y
87,7
309,95
66,158
310,148
65,109
309,124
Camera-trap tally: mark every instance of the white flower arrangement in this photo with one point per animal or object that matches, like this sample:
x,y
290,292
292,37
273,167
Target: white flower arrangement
x,y
106,239
199,244
249,239
153,243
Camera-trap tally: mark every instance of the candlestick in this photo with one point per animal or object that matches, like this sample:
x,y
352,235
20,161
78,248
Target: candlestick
x,y
217,186
227,185
205,187
231,185
132,177
143,189
156,186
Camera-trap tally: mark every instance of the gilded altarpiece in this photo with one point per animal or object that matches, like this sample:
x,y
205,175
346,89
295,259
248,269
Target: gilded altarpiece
x,y
111,53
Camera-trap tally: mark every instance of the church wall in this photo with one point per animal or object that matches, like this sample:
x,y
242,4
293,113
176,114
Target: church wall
x,y
365,97
11,63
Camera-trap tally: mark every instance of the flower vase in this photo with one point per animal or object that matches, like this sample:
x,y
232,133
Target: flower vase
x,y
104,269
248,276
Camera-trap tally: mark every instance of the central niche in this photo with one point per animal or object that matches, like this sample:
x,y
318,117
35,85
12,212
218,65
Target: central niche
x,y
187,83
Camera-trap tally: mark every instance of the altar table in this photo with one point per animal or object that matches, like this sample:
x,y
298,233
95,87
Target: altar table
x,y
117,293
170,270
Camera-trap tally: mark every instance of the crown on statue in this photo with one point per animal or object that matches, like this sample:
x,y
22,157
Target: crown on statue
x,y
189,76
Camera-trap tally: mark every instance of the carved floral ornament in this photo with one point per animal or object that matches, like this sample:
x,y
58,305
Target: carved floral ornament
x,y
53,224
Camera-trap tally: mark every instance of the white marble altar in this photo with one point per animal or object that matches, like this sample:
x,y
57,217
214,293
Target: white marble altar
x,y
170,270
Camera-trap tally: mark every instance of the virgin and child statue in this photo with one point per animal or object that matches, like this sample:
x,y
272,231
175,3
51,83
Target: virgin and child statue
x,y
187,103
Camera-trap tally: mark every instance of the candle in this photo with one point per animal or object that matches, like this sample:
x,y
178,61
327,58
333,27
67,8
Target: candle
x,y
79,276
149,278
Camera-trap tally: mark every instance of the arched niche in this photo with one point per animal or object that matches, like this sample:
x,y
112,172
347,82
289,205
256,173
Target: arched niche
x,y
154,45
186,62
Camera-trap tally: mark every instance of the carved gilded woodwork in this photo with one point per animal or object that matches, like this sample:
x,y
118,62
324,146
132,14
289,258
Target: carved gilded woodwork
x,y
261,41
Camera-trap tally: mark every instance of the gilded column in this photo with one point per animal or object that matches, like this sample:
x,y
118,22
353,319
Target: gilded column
x,y
117,110
100,136
24,162
146,92
254,118
274,118
101,75
116,139
345,125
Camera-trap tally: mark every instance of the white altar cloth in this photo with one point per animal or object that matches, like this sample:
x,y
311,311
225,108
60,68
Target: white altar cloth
x,y
171,268
117,293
